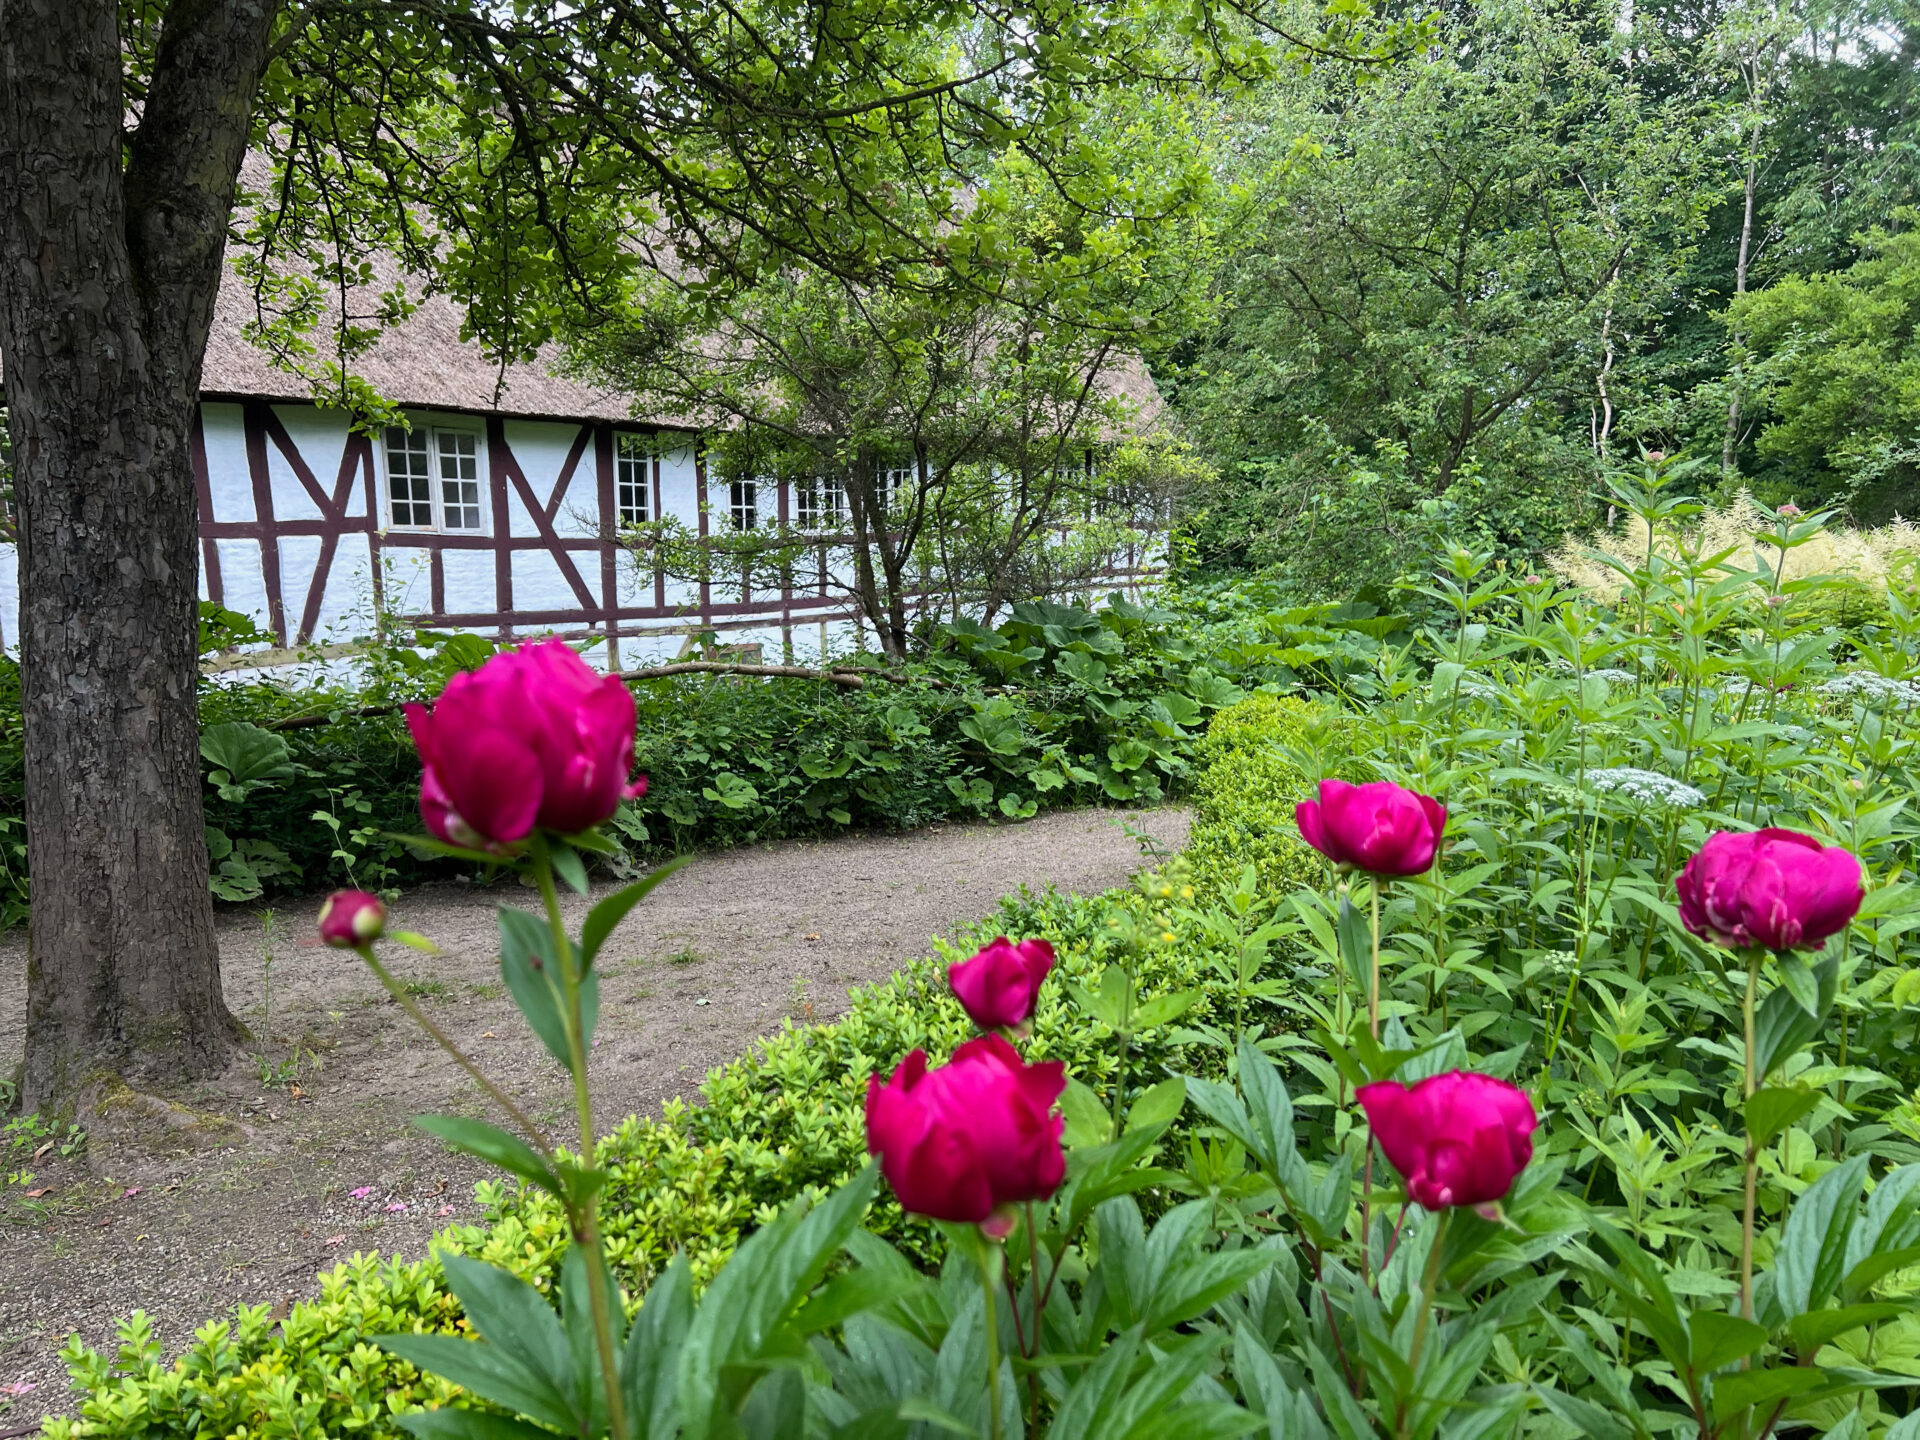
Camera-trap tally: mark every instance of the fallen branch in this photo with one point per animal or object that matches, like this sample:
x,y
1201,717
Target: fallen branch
x,y
849,676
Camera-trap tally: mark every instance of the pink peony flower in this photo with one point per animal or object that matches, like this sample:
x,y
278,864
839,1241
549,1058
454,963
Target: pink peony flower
x,y
532,738
999,985
352,917
977,1134
1381,828
1775,888
1456,1139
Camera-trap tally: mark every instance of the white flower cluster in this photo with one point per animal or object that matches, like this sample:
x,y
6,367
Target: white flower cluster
x,y
1613,677
1871,689
1647,787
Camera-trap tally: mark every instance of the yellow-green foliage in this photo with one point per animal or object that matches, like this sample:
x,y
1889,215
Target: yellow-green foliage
x,y
1253,774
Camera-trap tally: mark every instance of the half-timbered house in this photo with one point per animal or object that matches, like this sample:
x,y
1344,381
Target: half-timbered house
x,y
498,509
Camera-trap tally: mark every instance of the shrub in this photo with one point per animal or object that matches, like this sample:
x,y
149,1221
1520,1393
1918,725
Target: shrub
x,y
1257,760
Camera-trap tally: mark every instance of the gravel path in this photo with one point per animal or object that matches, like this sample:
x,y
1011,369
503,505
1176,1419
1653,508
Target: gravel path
x,y
716,956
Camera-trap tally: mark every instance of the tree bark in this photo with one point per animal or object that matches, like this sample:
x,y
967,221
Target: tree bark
x,y
110,258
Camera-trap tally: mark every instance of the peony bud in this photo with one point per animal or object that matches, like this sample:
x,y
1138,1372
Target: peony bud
x,y
1380,828
999,985
532,738
1456,1139
978,1134
1788,510
1773,888
351,918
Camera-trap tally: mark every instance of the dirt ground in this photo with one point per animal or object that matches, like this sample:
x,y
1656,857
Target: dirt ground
x,y
316,1166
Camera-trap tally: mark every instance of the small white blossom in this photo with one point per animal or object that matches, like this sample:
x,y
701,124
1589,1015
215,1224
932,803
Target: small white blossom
x,y
1613,677
1870,689
1648,787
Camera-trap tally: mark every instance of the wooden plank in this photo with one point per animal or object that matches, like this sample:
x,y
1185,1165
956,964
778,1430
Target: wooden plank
x,y
256,432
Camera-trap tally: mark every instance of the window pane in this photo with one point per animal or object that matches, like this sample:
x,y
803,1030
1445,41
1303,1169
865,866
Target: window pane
x,y
459,480
744,502
806,496
632,480
409,483
834,502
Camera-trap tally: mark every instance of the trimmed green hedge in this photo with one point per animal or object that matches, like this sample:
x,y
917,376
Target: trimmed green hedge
x,y
1254,771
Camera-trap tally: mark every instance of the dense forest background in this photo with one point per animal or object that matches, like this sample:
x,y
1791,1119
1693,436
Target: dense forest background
x,y
1453,292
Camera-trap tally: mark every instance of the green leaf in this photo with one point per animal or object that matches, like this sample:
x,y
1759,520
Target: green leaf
x,y
1782,1025
1797,978
605,917
1586,1417
522,1360
1355,931
430,845
251,755
1808,1262
1162,1009
1158,1108
649,1366
1815,1328
1736,1391
451,1423
568,865
1772,1110
1716,1340
494,1145
526,964
1088,1122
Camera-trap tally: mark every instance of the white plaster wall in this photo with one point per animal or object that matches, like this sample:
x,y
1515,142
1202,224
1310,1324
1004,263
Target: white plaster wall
x,y
346,610
230,482
298,556
541,449
243,586
679,490
10,600
407,579
469,581
539,584
321,437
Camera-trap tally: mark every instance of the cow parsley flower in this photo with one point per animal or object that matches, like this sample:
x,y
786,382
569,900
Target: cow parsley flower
x,y
1645,787
1870,689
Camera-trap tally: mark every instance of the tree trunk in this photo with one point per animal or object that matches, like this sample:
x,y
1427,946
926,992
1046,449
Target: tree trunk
x,y
107,281
1729,449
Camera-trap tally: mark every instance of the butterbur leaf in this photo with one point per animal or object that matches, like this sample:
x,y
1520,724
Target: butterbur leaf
x,y
494,1145
605,917
1772,1110
521,1361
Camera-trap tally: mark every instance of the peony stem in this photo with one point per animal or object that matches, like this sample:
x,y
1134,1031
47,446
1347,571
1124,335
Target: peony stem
x,y
499,1097
1373,974
586,1218
987,1267
1429,1287
1753,1150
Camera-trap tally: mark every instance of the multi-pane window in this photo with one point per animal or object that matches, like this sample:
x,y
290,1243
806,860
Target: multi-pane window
x,y
897,479
820,503
409,480
743,504
633,479
433,479
459,479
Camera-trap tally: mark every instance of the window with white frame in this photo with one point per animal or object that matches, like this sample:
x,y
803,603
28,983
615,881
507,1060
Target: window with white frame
x,y
459,479
820,502
409,478
433,479
897,481
743,504
633,479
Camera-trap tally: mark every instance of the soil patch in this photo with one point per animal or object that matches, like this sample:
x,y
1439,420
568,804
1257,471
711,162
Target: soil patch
x,y
303,1153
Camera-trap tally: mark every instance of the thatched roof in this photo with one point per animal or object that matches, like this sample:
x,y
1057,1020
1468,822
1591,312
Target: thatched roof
x,y
421,362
